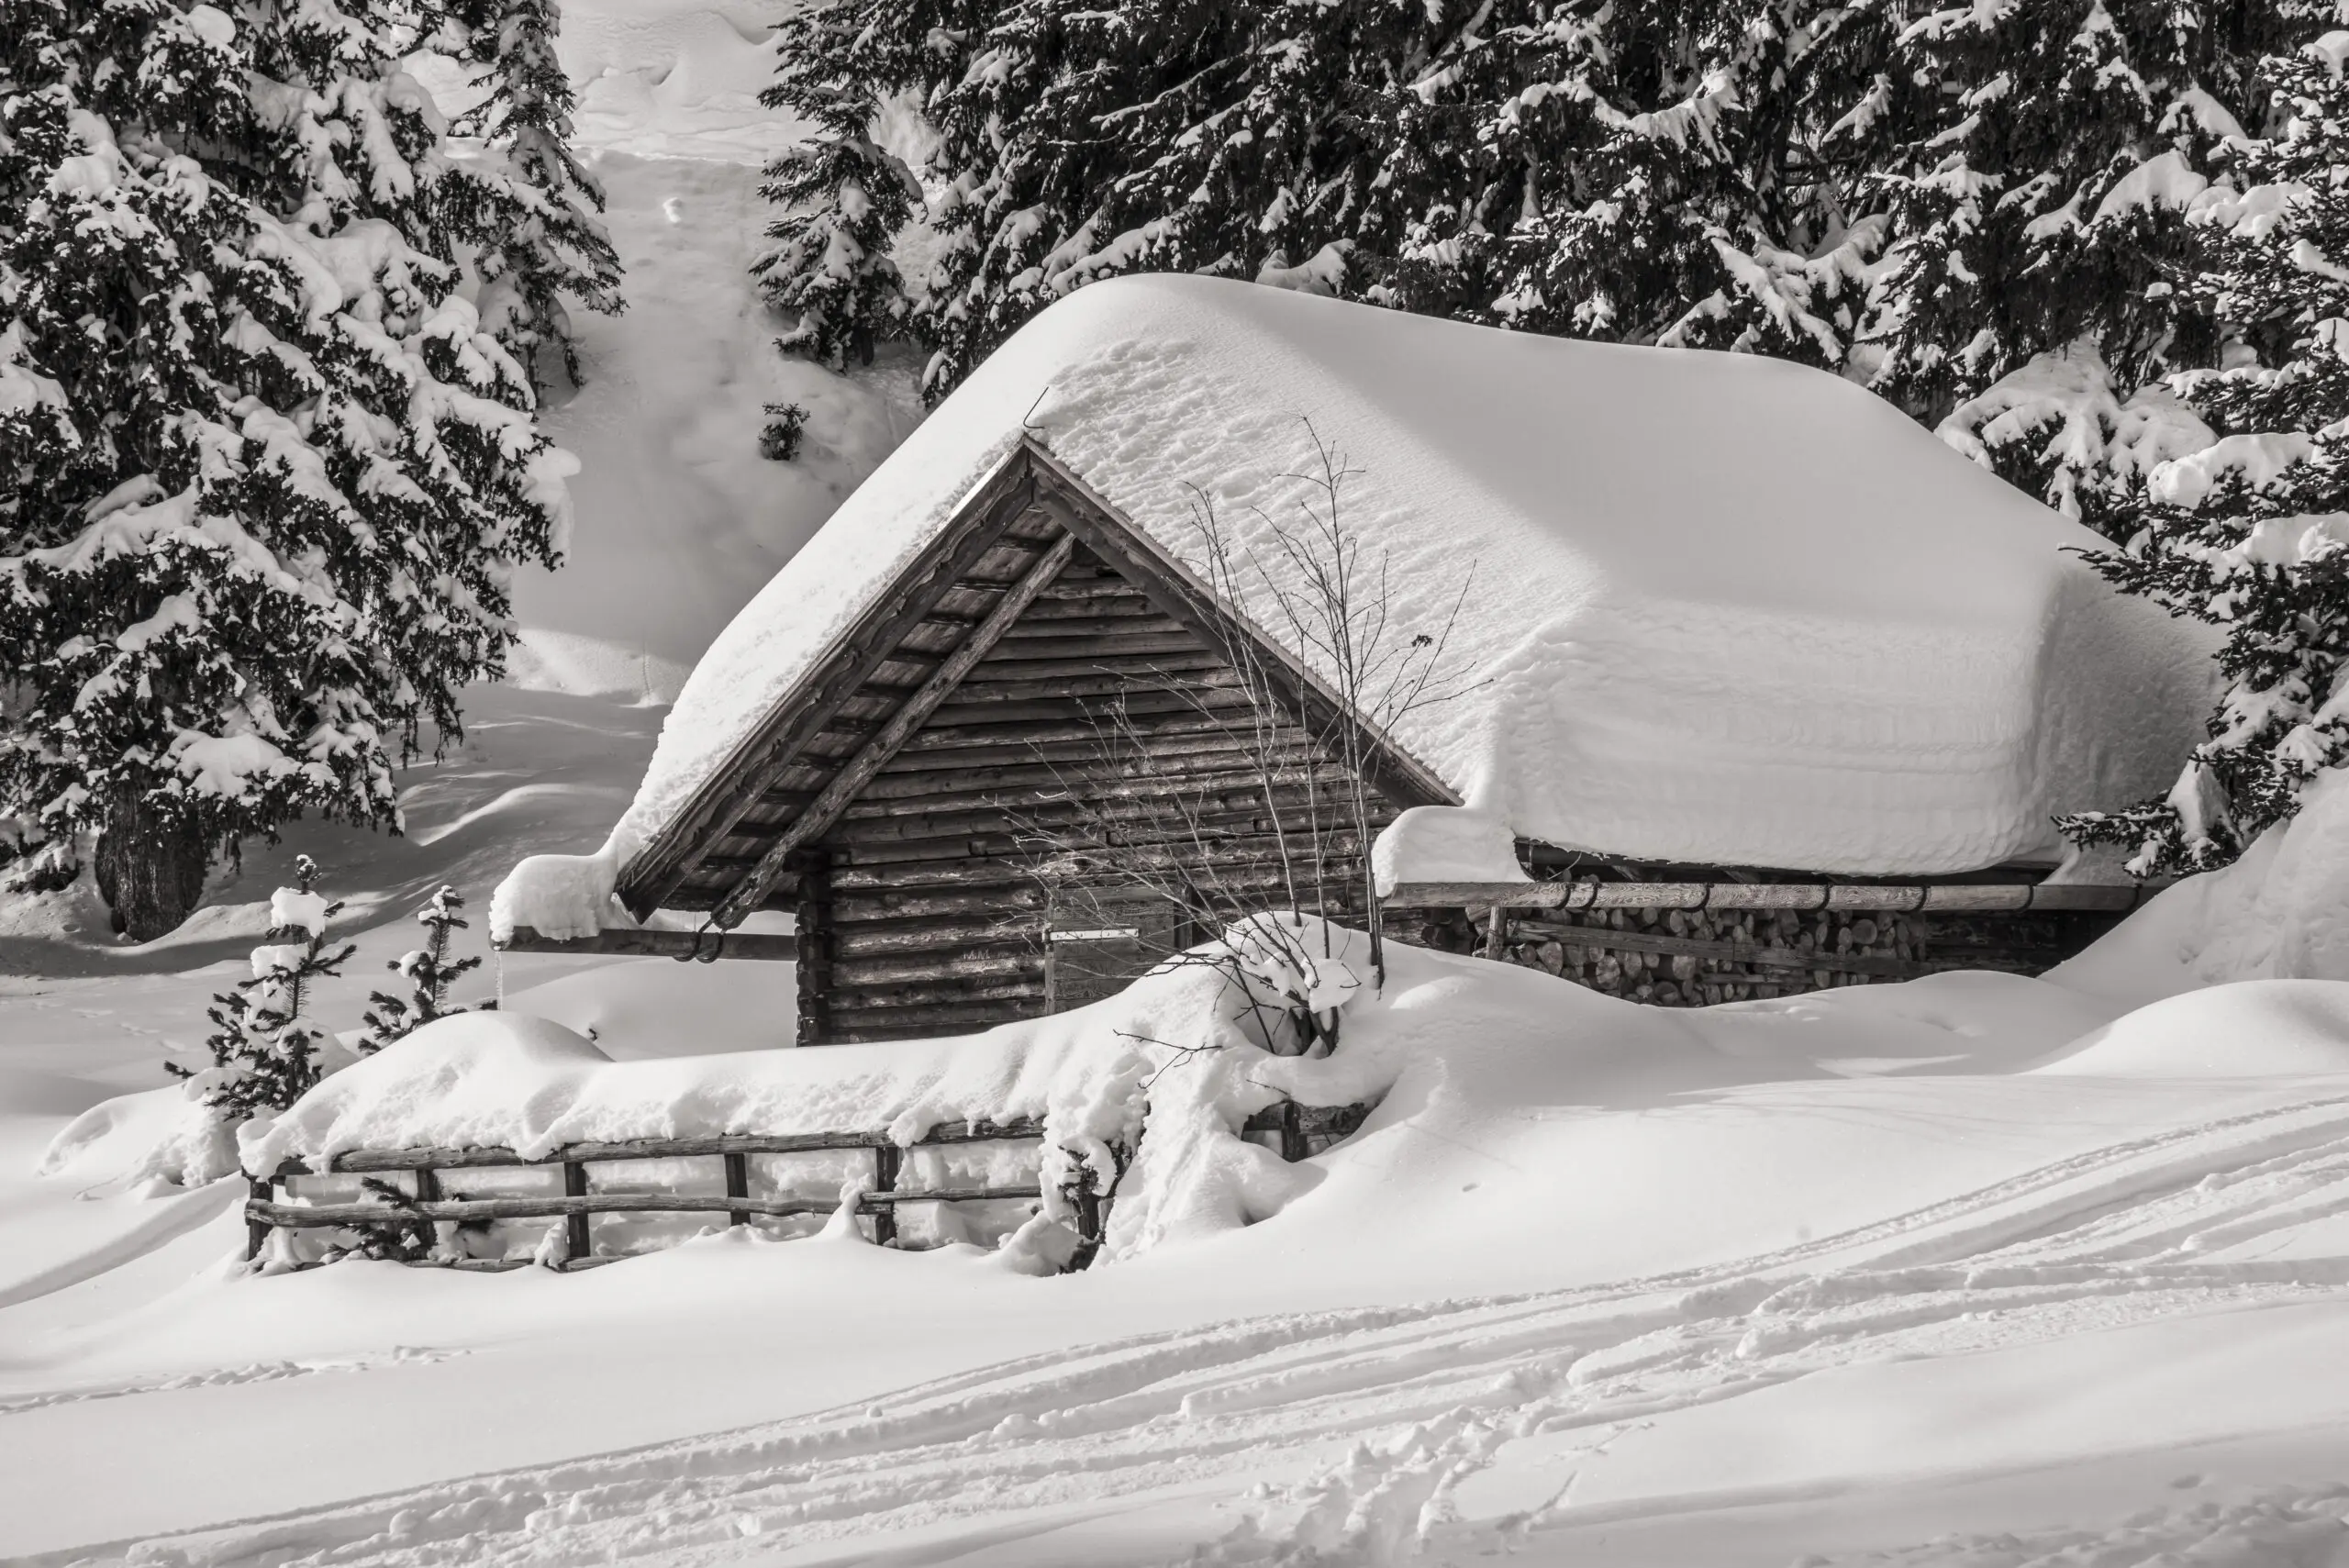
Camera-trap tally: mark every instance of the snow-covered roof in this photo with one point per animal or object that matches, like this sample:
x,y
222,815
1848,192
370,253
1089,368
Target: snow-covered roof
x,y
1720,610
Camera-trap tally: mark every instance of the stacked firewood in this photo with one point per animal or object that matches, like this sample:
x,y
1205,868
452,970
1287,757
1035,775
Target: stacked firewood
x,y
1688,957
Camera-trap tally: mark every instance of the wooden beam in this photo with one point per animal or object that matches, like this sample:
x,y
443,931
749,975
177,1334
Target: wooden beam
x,y
361,1161
1755,953
1470,895
659,944
825,809
1929,898
578,1207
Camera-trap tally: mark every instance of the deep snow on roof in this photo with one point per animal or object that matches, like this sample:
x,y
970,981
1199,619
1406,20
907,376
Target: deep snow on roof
x,y
1719,608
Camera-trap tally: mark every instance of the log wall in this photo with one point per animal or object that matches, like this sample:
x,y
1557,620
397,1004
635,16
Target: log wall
x,y
1096,722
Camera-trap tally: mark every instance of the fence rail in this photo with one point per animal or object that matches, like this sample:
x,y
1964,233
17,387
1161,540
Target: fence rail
x,y
1297,1127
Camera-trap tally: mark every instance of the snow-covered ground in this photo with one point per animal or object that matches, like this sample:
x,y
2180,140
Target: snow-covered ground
x,y
1972,1271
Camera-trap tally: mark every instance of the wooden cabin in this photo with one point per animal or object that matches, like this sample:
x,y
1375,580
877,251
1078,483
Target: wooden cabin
x,y
998,745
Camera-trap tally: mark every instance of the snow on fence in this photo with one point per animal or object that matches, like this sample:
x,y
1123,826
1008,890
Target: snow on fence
x,y
418,1210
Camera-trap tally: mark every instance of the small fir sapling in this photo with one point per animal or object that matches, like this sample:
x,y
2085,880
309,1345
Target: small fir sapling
x,y
779,442
265,1052
428,972
559,247
844,196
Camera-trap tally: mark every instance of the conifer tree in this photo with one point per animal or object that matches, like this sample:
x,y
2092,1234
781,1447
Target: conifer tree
x,y
265,1052
845,199
263,476
556,246
1650,172
2249,534
429,972
2036,166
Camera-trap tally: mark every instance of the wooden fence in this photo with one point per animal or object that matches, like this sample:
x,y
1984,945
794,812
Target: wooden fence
x,y
1300,1129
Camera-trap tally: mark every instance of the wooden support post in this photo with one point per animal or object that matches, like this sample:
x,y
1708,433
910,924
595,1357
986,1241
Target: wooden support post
x,y
815,946
579,1243
428,1190
1293,1145
264,1190
887,1158
1497,935
738,1184
1089,1224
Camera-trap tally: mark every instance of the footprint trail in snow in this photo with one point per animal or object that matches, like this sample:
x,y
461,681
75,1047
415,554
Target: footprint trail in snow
x,y
1340,1436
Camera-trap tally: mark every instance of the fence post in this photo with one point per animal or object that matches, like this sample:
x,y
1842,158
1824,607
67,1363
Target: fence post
x,y
259,1189
428,1190
738,1184
887,1161
1293,1144
577,1240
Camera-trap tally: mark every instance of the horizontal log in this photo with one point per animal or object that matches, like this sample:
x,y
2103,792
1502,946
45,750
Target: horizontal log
x,y
1895,898
1753,953
1003,687
1229,833
658,944
1033,628
1476,895
945,790
935,1017
969,966
893,905
1082,757
1073,587
933,936
359,1161
1053,812
289,1216
1230,706
1051,660
906,876
935,993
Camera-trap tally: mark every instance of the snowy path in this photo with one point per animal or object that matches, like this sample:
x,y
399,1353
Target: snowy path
x,y
1462,1422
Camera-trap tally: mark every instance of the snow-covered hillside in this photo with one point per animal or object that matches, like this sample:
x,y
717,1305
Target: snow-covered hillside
x,y
1970,1271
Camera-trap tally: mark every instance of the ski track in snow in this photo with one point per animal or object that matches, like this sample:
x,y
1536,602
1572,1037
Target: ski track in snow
x,y
1369,1417
265,1372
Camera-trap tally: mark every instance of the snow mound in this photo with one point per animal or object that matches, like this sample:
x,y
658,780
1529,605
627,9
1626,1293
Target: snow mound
x,y
1445,843
2281,912
2251,1029
164,1135
470,1078
1718,608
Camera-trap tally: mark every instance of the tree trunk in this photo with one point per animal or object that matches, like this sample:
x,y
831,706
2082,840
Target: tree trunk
x,y
149,870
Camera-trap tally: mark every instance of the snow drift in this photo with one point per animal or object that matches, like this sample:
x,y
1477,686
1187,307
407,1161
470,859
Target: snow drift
x,y
2281,912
